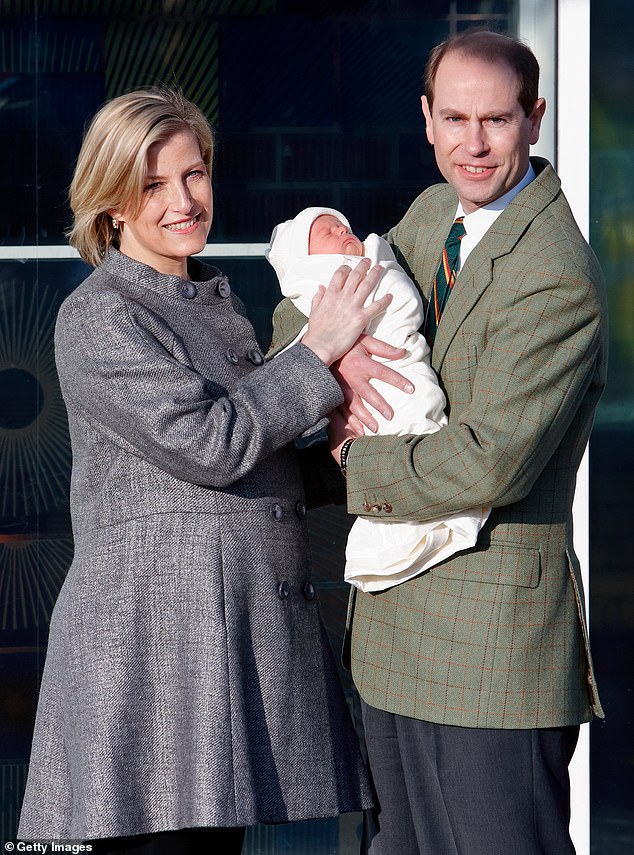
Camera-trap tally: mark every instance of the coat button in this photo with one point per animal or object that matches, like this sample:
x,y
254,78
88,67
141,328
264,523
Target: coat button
x,y
283,590
309,591
232,356
255,356
188,290
300,510
277,511
375,508
387,507
223,288
367,507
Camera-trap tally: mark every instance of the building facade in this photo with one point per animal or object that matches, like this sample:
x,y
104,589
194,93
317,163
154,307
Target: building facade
x,y
309,107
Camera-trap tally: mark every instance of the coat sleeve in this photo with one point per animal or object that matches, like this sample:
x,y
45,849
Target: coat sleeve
x,y
120,376
541,351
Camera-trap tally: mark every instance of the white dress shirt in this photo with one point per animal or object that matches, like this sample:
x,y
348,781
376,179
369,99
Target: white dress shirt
x,y
478,222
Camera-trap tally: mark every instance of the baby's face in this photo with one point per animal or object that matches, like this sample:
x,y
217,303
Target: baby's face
x,y
329,235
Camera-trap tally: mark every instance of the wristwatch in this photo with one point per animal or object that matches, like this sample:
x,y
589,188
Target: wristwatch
x,y
343,455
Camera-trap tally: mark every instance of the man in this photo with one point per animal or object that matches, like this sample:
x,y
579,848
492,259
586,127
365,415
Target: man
x,y
474,677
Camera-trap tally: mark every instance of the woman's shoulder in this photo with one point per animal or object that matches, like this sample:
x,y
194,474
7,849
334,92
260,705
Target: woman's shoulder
x,y
97,293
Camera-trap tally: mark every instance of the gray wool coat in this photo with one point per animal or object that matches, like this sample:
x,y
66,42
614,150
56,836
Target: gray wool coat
x,y
189,681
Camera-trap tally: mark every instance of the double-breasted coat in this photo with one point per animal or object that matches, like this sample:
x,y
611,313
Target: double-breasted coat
x,y
188,681
496,635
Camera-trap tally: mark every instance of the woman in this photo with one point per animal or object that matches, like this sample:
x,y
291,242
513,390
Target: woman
x,y
189,688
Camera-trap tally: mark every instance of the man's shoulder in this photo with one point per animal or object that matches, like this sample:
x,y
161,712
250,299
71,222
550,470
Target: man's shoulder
x,y
430,203
553,226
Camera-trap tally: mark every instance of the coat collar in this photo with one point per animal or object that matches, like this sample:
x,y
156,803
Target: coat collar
x,y
207,285
500,240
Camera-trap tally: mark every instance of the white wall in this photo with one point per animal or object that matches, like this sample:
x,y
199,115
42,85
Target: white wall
x,y
559,33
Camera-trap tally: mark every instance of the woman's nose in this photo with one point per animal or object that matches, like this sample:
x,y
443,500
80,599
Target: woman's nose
x,y
181,197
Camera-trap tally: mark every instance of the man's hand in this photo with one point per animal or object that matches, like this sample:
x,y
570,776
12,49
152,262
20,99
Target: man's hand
x,y
353,373
339,431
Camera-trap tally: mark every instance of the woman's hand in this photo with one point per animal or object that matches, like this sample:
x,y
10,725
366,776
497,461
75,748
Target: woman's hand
x,y
338,313
353,372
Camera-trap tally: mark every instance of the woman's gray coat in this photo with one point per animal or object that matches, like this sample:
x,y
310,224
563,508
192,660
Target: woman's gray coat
x,y
188,681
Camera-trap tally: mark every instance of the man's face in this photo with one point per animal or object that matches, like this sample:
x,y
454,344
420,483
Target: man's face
x,y
480,133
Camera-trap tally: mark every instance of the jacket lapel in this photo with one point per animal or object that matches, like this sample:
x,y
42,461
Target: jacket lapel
x,y
432,236
501,238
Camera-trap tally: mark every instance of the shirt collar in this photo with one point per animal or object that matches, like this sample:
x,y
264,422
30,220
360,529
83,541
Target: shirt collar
x,y
478,222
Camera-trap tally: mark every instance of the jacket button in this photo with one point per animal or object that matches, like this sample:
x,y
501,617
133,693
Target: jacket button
x,y
188,290
300,510
232,356
387,507
375,508
367,507
255,356
277,511
222,287
309,591
283,590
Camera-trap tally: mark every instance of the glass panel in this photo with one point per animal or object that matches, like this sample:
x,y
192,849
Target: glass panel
x,y
309,109
611,459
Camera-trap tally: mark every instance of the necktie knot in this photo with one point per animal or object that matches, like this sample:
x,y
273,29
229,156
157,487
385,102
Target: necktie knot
x,y
456,233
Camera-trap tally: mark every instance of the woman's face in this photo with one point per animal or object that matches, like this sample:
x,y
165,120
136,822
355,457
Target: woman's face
x,y
177,208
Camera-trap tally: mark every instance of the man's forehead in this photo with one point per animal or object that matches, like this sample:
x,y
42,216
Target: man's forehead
x,y
462,74
459,57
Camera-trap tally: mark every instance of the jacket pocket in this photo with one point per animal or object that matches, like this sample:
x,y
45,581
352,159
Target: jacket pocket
x,y
497,564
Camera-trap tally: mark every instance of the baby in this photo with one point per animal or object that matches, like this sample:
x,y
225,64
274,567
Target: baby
x,y
305,252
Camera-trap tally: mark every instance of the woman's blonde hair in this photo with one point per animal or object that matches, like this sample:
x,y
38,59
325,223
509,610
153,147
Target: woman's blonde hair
x,y
112,163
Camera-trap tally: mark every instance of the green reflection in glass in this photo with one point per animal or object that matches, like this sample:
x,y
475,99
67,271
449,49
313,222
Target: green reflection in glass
x,y
612,199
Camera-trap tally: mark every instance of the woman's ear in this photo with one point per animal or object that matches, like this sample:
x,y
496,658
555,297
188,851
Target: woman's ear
x,y
116,215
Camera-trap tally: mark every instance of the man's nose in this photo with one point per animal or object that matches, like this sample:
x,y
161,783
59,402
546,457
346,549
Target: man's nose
x,y
475,140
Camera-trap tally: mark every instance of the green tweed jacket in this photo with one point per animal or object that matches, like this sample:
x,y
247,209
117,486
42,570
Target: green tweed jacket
x,y
494,636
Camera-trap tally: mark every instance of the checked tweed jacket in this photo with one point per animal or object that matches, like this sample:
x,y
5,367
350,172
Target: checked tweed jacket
x,y
495,636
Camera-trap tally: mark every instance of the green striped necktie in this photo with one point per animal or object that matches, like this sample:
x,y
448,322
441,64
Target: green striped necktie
x,y
445,278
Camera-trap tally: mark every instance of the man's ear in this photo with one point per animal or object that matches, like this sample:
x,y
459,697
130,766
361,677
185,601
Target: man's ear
x,y
539,108
429,124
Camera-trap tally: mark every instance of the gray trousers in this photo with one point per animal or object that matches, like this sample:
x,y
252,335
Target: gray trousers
x,y
446,790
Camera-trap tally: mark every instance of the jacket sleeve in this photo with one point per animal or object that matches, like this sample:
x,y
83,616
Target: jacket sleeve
x,y
528,366
120,376
287,322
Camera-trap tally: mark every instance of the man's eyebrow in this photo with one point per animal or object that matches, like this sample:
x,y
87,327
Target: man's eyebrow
x,y
492,114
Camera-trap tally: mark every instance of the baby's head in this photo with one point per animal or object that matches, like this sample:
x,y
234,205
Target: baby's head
x,y
329,235
313,231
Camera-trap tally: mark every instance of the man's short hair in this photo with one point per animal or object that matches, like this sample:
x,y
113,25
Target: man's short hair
x,y
494,48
